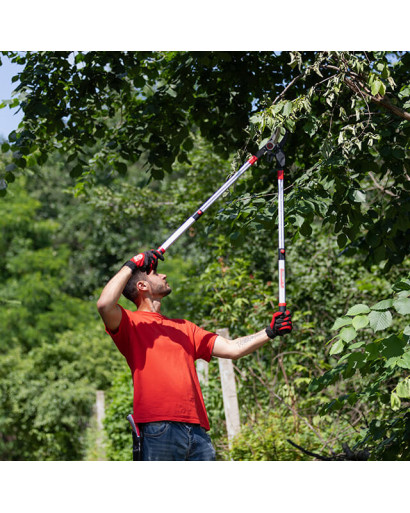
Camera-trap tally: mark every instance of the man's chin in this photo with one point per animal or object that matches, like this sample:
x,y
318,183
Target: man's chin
x,y
167,292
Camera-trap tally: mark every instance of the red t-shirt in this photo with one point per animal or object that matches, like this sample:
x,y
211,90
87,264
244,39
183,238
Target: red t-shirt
x,y
161,353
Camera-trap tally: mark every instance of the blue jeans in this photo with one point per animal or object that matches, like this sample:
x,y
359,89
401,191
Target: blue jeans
x,y
175,441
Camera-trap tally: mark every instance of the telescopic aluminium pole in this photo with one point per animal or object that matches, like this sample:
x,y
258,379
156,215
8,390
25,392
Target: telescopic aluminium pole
x,y
281,241
267,148
191,220
277,151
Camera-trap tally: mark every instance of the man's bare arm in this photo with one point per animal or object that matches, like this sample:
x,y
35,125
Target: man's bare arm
x,y
280,325
234,349
107,302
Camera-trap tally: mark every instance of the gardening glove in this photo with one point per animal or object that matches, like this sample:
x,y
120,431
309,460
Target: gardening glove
x,y
280,325
147,261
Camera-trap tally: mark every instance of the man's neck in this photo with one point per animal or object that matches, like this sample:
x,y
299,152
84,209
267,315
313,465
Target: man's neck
x,y
150,305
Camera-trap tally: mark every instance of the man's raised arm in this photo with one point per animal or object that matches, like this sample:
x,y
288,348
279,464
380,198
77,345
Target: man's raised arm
x,y
281,324
107,302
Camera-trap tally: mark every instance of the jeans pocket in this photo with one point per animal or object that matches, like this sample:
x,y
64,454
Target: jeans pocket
x,y
155,429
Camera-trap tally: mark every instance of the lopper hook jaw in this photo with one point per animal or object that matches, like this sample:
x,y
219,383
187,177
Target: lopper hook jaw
x,y
274,149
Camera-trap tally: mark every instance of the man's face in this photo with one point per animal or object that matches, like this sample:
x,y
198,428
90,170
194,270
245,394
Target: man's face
x,y
158,284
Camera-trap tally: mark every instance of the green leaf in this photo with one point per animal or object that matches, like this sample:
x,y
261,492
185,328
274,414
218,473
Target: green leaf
x,y
337,347
392,346
341,321
402,305
10,178
306,229
392,362
403,389
358,309
383,305
360,321
355,361
287,108
404,361
121,167
395,402
372,351
341,240
188,144
356,345
403,284
76,171
348,334
359,196
380,320
376,87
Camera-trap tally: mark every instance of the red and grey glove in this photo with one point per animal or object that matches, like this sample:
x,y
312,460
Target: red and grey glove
x,y
280,325
146,261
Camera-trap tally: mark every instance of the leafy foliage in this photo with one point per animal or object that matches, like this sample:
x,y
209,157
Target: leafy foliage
x,y
266,440
47,395
383,365
119,405
346,112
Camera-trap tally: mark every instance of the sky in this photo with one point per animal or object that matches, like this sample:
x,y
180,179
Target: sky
x,y
9,118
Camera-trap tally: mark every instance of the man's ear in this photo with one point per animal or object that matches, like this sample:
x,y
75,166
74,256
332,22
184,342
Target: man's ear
x,y
142,285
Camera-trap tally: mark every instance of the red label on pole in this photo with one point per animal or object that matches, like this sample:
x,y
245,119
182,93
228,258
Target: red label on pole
x,y
280,174
282,278
252,160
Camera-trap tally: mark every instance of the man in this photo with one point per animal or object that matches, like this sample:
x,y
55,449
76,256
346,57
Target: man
x,y
168,404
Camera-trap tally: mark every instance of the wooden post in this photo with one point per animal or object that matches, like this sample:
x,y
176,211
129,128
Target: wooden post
x,y
100,415
229,392
100,409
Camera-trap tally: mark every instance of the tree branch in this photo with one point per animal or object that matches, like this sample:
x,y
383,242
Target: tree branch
x,y
356,84
282,94
380,187
385,102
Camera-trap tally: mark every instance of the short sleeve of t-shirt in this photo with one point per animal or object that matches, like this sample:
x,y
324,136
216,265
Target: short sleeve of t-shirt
x,y
203,341
121,335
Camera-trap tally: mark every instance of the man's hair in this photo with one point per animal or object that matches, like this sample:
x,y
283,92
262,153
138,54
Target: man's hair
x,y
130,290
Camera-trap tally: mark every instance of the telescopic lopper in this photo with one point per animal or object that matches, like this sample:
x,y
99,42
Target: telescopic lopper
x,y
272,149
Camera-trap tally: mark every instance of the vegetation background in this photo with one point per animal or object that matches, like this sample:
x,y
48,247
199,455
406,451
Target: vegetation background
x,y
117,149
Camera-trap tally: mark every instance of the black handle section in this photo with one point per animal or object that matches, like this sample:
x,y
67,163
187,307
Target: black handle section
x,y
136,447
136,440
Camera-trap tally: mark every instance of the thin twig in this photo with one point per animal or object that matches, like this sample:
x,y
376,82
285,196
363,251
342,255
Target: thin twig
x,y
282,94
380,187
